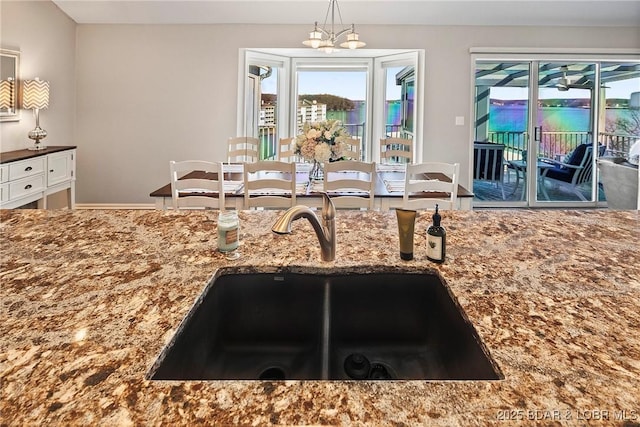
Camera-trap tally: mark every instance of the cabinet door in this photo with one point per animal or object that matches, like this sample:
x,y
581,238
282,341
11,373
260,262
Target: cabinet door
x,y
59,167
4,192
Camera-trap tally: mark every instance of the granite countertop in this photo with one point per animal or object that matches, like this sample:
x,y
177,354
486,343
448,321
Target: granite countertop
x,y
89,299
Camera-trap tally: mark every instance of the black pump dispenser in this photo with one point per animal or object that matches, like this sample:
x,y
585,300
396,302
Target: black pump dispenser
x,y
436,218
436,240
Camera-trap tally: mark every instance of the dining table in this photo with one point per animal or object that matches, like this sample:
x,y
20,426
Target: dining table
x,y
388,193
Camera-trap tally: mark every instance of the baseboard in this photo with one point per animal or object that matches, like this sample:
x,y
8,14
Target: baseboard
x,y
113,206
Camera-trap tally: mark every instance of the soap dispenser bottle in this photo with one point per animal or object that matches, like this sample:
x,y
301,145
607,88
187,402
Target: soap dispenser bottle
x,y
436,240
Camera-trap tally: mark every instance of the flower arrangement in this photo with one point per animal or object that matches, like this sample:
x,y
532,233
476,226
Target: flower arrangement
x,y
322,141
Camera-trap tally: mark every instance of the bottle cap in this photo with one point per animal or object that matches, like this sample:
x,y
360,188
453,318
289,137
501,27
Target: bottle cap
x,y
436,218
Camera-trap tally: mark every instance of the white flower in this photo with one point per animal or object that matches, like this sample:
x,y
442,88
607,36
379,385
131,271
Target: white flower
x,y
323,152
322,141
313,134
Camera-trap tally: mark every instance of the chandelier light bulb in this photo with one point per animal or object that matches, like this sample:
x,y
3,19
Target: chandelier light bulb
x,y
328,47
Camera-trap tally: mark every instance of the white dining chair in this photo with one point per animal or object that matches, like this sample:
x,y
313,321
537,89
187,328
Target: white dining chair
x,y
269,184
396,150
287,150
352,151
243,149
197,184
431,183
350,183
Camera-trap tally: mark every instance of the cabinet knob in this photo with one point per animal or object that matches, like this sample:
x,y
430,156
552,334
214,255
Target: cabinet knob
x,y
28,186
28,168
51,171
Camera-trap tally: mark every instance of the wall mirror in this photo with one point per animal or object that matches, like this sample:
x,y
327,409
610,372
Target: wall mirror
x,y
9,75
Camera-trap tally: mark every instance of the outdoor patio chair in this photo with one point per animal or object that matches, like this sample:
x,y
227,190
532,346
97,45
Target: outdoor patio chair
x,y
577,170
204,191
488,164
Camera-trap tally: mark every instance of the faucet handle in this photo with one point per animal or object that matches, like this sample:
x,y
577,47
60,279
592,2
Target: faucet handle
x,y
328,208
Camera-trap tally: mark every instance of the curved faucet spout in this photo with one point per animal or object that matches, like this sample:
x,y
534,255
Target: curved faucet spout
x,y
326,232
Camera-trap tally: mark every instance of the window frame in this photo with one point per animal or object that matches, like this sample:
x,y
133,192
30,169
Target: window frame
x,y
375,60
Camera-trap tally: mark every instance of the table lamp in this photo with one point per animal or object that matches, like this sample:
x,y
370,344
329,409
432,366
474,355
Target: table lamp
x,y
35,96
6,94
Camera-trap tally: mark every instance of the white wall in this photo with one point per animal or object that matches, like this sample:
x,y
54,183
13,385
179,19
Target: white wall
x,y
147,94
169,92
46,39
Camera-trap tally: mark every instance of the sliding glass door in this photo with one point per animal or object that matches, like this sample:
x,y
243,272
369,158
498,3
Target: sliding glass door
x,y
541,125
565,125
501,133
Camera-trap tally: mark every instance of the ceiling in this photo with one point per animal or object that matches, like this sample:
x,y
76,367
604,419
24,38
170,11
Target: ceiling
x,y
394,12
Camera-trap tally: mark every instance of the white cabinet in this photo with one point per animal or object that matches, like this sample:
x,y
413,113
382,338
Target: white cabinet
x,y
4,183
21,188
26,168
28,176
60,167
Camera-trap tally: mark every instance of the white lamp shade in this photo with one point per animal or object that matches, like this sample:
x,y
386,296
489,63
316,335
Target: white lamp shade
x,y
315,39
353,41
35,94
6,94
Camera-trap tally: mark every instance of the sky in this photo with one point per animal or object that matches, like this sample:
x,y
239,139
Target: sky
x,y
348,84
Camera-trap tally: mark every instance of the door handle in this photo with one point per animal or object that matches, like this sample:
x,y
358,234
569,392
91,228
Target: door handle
x,y
537,132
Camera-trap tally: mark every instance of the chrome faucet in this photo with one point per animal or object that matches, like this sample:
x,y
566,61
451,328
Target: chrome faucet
x,y
326,233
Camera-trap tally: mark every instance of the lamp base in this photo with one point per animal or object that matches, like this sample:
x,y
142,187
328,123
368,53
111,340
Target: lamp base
x,y
37,134
37,147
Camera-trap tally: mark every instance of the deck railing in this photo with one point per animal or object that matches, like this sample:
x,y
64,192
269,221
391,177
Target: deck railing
x,y
618,145
269,143
552,144
515,143
557,144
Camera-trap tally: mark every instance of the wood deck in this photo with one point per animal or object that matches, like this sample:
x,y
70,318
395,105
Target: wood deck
x,y
490,192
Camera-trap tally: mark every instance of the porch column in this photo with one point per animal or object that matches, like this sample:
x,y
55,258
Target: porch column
x,y
482,113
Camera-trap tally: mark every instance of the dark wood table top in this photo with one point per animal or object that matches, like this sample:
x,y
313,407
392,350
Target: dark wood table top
x,y
381,190
14,156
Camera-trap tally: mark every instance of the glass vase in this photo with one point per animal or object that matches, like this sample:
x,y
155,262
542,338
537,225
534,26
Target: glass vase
x,y
316,173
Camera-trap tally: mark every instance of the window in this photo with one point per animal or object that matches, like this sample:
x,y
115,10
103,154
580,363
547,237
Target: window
x,y
372,92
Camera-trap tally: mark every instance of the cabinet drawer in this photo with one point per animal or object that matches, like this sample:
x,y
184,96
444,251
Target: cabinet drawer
x,y
4,192
26,168
4,173
24,187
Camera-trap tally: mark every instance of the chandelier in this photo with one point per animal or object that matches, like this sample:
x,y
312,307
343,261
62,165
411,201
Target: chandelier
x,y
325,39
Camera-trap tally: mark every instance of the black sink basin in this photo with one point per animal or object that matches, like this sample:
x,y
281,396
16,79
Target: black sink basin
x,y
336,326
